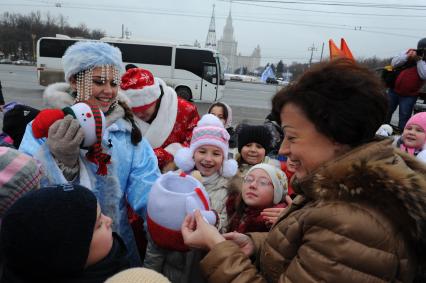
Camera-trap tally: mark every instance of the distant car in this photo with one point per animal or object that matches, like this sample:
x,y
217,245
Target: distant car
x,y
281,81
5,61
271,81
236,78
22,62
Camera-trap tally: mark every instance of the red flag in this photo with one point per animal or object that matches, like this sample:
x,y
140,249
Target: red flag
x,y
335,52
345,50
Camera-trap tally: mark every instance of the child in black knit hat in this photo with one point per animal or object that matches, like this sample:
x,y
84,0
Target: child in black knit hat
x,y
58,234
254,143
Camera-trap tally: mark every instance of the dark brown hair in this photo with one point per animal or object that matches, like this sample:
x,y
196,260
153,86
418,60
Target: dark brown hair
x,y
136,135
224,109
345,101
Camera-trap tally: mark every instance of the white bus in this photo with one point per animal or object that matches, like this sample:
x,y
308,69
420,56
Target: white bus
x,y
195,73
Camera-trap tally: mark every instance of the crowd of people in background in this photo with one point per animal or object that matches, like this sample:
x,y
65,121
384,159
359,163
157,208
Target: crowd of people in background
x,y
321,192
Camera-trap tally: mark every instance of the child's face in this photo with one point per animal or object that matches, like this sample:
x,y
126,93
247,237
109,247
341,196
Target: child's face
x,y
258,190
208,159
253,153
219,113
291,165
102,239
414,136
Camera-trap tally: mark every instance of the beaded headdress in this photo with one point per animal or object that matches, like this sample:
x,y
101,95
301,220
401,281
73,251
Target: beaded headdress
x,y
82,57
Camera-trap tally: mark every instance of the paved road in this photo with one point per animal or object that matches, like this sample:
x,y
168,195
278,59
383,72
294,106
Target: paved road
x,y
249,102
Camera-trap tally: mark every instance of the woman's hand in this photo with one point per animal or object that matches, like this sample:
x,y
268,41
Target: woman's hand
x,y
243,241
197,233
271,214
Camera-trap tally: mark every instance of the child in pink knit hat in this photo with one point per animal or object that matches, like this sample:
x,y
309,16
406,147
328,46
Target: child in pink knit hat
x,y
413,138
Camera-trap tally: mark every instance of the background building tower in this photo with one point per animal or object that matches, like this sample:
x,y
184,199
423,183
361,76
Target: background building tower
x,y
227,45
211,35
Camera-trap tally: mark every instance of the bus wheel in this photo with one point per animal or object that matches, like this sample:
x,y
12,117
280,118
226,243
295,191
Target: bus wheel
x,y
184,92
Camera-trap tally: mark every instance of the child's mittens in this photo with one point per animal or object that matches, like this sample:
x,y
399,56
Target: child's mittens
x,y
44,120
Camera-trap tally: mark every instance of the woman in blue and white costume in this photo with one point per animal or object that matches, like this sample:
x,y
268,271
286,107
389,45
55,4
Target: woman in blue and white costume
x,y
92,72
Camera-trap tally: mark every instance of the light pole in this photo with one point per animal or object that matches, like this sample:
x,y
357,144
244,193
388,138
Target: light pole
x,y
312,49
34,50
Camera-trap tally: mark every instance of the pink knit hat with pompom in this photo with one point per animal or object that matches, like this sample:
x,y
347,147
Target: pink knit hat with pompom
x,y
209,131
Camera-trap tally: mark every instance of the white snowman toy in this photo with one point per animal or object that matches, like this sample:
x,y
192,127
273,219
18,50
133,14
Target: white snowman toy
x,y
172,197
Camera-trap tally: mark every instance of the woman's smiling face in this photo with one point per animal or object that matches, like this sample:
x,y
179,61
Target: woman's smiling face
x,y
303,144
104,88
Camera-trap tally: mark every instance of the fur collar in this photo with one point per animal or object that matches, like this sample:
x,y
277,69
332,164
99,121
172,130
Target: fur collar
x,y
58,96
379,175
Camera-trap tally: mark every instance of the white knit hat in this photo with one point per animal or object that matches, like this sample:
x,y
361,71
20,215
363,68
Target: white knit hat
x,y
209,131
278,177
138,275
142,89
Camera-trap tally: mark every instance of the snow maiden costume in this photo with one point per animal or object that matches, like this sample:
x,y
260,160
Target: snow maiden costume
x,y
133,166
172,124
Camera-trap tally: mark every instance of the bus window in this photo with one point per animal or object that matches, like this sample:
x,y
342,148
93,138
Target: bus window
x,y
145,54
210,73
191,60
54,48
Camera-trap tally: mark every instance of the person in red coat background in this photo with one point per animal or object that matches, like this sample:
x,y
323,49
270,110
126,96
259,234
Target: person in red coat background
x,y
165,119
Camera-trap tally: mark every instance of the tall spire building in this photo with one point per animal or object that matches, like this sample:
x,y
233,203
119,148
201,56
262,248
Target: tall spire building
x,y
227,46
211,35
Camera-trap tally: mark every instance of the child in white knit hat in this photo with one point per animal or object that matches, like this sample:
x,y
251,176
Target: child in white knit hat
x,y
208,153
264,186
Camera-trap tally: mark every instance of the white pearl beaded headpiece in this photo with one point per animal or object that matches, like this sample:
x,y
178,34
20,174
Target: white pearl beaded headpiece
x,y
85,82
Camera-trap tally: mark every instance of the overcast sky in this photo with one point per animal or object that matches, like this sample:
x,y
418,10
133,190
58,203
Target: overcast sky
x,y
284,29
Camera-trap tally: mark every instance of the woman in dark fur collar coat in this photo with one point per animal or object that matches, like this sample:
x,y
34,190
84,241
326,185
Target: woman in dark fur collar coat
x,y
361,211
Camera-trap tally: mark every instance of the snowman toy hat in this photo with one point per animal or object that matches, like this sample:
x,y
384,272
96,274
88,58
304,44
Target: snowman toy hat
x,y
171,198
209,131
92,122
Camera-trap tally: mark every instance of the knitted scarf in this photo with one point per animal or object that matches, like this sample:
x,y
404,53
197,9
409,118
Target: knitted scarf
x,y
95,153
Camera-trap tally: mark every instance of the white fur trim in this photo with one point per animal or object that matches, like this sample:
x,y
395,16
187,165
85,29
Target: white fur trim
x,y
230,168
160,129
58,96
122,97
146,95
173,148
184,159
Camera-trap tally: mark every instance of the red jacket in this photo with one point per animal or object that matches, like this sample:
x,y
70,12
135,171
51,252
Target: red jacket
x,y
186,119
408,82
289,174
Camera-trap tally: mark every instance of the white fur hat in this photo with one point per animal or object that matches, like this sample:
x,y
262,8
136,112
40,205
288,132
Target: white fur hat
x,y
278,177
209,131
141,88
85,55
